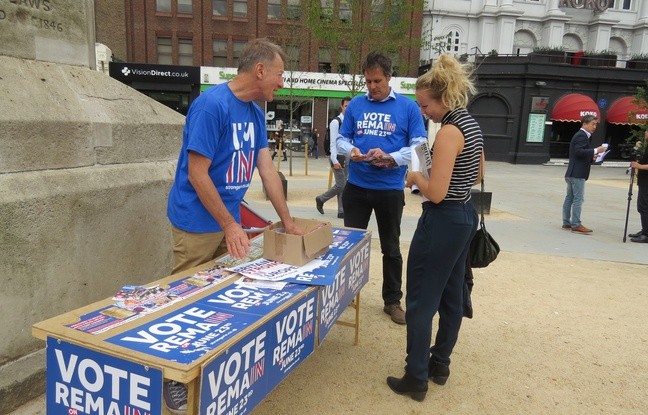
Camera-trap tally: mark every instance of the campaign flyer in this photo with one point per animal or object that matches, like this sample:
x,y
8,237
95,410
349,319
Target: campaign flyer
x,y
353,274
134,301
237,380
83,381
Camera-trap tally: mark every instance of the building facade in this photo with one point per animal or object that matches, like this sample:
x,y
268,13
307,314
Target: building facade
x,y
516,27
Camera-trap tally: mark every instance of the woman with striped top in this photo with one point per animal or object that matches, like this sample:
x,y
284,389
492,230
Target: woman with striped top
x,y
437,257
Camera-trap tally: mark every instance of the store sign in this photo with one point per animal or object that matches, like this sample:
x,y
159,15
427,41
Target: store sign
x,y
601,5
314,81
140,72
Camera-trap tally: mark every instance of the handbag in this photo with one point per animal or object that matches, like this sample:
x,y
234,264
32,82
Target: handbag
x,y
483,247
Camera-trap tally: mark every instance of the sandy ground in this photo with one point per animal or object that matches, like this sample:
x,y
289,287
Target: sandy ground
x,y
550,335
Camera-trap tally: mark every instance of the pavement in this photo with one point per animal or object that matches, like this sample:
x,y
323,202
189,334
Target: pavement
x,y
525,214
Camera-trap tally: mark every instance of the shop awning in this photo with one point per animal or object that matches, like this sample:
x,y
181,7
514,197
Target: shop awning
x,y
572,107
625,111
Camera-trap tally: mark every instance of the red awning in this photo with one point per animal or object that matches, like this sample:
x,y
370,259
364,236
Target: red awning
x,y
573,107
625,111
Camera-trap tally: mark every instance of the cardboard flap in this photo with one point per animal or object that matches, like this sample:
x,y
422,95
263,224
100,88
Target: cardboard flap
x,y
315,242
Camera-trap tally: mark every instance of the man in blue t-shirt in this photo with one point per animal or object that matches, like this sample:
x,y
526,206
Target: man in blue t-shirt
x,y
377,133
224,139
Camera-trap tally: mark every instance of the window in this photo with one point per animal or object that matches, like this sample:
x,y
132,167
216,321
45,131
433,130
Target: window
x,y
237,47
164,51
274,9
240,8
293,57
220,53
219,7
184,6
453,42
377,12
344,61
623,4
163,6
345,11
294,9
326,9
185,52
324,64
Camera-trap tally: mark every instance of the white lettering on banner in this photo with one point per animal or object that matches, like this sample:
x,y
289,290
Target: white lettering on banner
x,y
359,263
236,375
288,326
583,113
114,378
175,331
331,295
240,298
641,116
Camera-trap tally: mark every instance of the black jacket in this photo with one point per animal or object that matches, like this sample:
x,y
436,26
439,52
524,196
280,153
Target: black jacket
x,y
580,156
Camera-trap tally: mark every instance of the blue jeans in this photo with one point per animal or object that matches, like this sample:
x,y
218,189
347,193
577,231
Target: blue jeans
x,y
573,201
436,268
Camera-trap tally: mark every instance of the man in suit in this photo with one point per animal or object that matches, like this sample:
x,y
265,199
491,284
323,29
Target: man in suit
x,y
581,156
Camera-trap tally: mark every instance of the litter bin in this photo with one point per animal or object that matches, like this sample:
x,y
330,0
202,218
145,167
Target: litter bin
x,y
284,184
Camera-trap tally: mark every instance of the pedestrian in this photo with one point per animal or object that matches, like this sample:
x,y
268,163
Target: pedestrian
x,y
581,156
224,139
436,263
338,162
377,134
313,146
641,164
280,142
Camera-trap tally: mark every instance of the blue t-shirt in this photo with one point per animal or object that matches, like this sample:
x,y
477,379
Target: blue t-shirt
x,y
389,125
228,131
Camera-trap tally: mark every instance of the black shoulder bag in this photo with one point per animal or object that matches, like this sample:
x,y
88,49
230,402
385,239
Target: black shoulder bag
x,y
483,248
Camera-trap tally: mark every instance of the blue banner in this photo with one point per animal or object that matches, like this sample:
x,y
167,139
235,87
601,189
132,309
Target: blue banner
x,y
186,334
82,381
238,379
352,275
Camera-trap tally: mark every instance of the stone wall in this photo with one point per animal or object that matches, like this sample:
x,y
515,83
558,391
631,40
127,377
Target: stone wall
x,y
85,168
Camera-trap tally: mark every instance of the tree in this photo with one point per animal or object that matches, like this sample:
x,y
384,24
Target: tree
x,y
349,29
635,145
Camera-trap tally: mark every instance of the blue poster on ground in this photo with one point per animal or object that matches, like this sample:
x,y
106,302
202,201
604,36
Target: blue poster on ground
x,y
353,274
82,381
237,380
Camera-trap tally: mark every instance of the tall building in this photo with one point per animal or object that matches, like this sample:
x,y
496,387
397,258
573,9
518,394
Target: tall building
x,y
516,27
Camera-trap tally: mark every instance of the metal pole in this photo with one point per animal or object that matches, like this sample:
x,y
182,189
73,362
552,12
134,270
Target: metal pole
x,y
625,229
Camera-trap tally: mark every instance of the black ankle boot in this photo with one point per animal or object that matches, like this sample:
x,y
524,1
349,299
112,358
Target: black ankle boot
x,y
438,372
407,385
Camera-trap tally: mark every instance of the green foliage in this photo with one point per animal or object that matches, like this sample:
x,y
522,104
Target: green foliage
x,y
636,145
548,49
640,56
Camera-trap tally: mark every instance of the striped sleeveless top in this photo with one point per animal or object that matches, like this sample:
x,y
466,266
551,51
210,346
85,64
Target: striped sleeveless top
x,y
466,167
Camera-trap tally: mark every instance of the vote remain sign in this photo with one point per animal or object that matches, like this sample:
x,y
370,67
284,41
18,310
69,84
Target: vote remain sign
x,y
82,381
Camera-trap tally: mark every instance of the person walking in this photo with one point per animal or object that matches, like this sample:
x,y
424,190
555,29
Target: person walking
x,y
224,139
280,142
338,162
641,164
436,263
581,156
377,134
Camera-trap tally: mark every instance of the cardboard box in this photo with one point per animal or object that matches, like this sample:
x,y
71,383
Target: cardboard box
x,y
297,249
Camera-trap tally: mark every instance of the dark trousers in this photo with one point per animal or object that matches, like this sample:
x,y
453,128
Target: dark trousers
x,y
358,204
642,207
436,268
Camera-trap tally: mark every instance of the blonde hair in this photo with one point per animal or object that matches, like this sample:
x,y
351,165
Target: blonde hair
x,y
449,81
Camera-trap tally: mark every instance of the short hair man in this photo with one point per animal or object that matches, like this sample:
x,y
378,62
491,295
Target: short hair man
x,y
338,163
581,156
224,139
377,133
